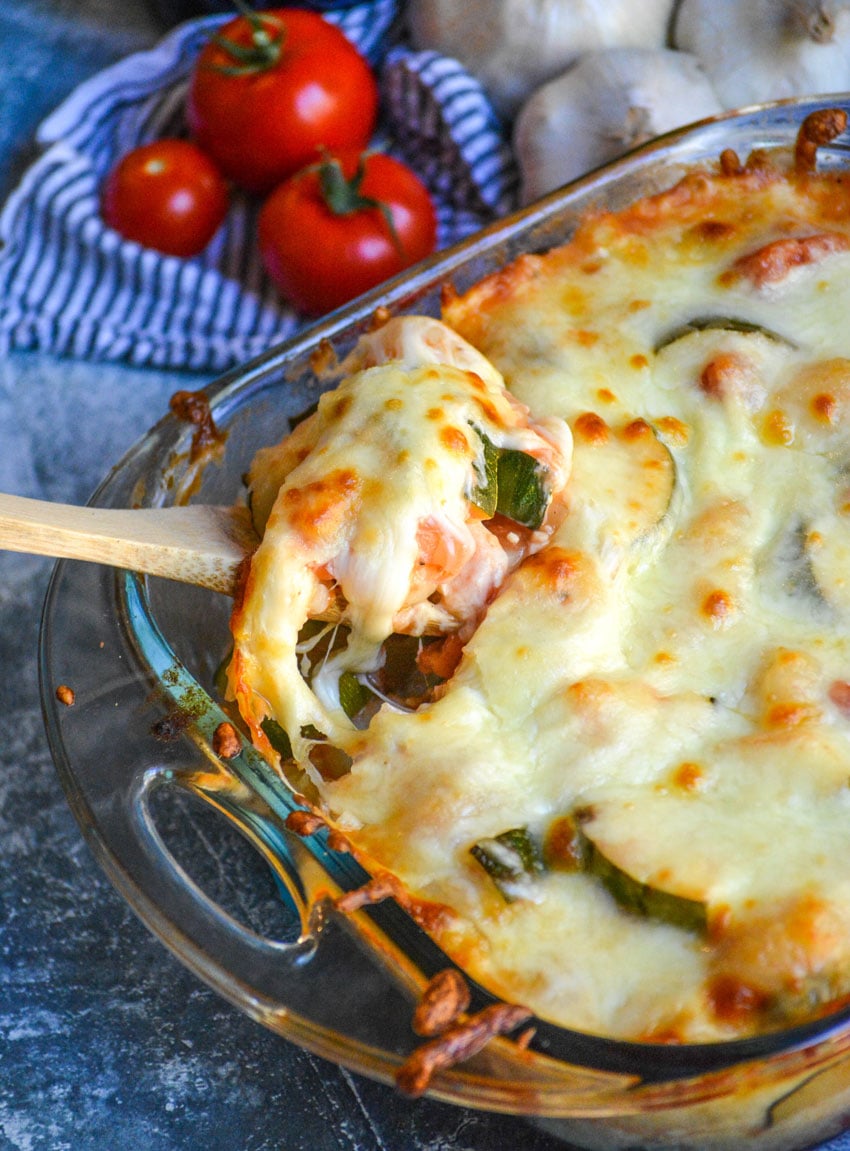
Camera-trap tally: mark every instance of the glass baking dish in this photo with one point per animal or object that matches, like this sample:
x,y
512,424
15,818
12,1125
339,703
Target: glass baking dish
x,y
135,757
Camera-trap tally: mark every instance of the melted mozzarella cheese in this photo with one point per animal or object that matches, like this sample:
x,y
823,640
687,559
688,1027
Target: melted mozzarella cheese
x,y
370,503
668,666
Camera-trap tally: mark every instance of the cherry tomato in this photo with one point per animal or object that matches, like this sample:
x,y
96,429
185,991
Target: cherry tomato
x,y
340,227
166,195
273,89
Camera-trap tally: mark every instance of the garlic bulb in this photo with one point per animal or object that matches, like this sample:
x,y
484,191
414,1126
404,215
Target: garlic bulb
x,y
756,50
513,46
609,102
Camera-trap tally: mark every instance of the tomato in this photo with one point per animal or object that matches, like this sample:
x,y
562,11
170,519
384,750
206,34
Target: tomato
x,y
326,236
273,89
166,195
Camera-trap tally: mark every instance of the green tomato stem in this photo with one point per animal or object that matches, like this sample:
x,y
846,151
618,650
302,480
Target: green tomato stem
x,y
343,196
264,51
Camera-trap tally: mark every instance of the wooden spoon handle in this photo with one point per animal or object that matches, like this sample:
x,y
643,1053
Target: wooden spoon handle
x,y
196,544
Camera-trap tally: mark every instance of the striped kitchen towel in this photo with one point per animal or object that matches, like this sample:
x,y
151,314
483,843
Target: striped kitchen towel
x,y
72,286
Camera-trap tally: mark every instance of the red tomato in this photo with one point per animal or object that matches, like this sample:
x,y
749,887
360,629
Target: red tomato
x,y
325,235
166,195
273,89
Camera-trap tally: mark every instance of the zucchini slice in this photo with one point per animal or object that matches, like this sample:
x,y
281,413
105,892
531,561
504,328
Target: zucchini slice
x,y
628,481
353,695
786,571
644,899
522,495
511,859
799,577
633,895
485,494
722,324
277,737
511,483
815,995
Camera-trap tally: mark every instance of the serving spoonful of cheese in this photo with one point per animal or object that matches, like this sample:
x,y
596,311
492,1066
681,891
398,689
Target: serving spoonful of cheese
x,y
206,545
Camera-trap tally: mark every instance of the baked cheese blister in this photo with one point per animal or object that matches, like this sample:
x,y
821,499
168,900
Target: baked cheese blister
x,y
552,612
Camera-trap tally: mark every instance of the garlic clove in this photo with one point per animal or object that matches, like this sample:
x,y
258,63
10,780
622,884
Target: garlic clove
x,y
767,49
513,46
607,103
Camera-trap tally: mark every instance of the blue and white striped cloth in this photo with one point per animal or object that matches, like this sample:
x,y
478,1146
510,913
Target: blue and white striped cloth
x,y
72,286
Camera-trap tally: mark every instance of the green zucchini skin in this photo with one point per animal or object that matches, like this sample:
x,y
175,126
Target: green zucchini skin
x,y
514,858
485,494
277,737
644,899
815,995
511,483
353,695
511,859
722,324
522,495
632,894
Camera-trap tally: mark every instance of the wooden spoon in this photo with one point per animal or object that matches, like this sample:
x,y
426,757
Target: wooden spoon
x,y
196,544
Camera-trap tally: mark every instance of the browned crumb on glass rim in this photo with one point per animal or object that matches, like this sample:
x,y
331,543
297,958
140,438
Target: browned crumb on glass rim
x,y
307,823
194,408
461,1041
304,823
66,695
226,743
818,129
444,999
382,886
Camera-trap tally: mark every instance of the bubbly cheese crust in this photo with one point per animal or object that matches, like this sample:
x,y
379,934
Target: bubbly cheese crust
x,y
655,695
